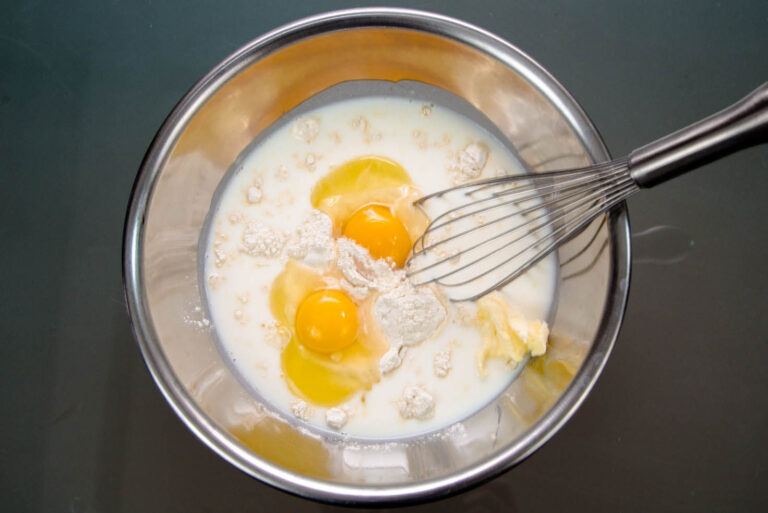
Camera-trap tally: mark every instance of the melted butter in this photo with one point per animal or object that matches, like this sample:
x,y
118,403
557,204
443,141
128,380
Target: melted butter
x,y
555,373
545,378
506,334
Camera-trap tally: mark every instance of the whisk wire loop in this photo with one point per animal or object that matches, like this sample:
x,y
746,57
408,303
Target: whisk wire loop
x,y
543,208
538,213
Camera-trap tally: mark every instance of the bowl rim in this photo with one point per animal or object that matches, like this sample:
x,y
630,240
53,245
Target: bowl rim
x,y
227,446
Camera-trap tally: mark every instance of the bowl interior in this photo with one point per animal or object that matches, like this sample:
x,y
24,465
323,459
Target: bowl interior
x,y
208,131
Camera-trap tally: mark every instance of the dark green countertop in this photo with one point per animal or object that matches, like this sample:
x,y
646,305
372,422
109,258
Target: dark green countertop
x,y
678,419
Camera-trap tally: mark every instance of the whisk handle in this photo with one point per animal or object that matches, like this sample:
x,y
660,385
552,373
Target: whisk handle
x,y
743,124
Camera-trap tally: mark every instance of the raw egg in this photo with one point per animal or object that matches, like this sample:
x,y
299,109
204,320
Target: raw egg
x,y
330,355
370,200
335,345
376,229
326,321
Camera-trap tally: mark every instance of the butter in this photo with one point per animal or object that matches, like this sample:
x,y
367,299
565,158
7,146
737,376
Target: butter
x,y
506,333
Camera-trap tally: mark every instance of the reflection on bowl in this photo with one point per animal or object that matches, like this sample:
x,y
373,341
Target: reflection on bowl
x,y
206,133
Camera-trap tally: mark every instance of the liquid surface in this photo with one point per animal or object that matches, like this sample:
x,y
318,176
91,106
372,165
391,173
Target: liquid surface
x,y
304,343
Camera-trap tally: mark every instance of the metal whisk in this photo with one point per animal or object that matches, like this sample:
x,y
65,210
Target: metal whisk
x,y
485,234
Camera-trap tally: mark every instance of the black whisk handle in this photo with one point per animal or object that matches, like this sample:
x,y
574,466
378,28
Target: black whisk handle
x,y
743,124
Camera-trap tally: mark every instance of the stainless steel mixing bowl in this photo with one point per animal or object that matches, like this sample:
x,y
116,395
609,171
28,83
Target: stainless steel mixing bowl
x,y
204,135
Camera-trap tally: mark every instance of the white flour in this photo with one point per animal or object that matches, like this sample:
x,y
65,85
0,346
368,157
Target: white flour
x,y
313,243
441,363
406,316
301,410
472,160
259,240
416,403
362,274
336,418
306,129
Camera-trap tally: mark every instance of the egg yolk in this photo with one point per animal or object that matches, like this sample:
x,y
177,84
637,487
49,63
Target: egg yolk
x,y
322,378
375,228
326,321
